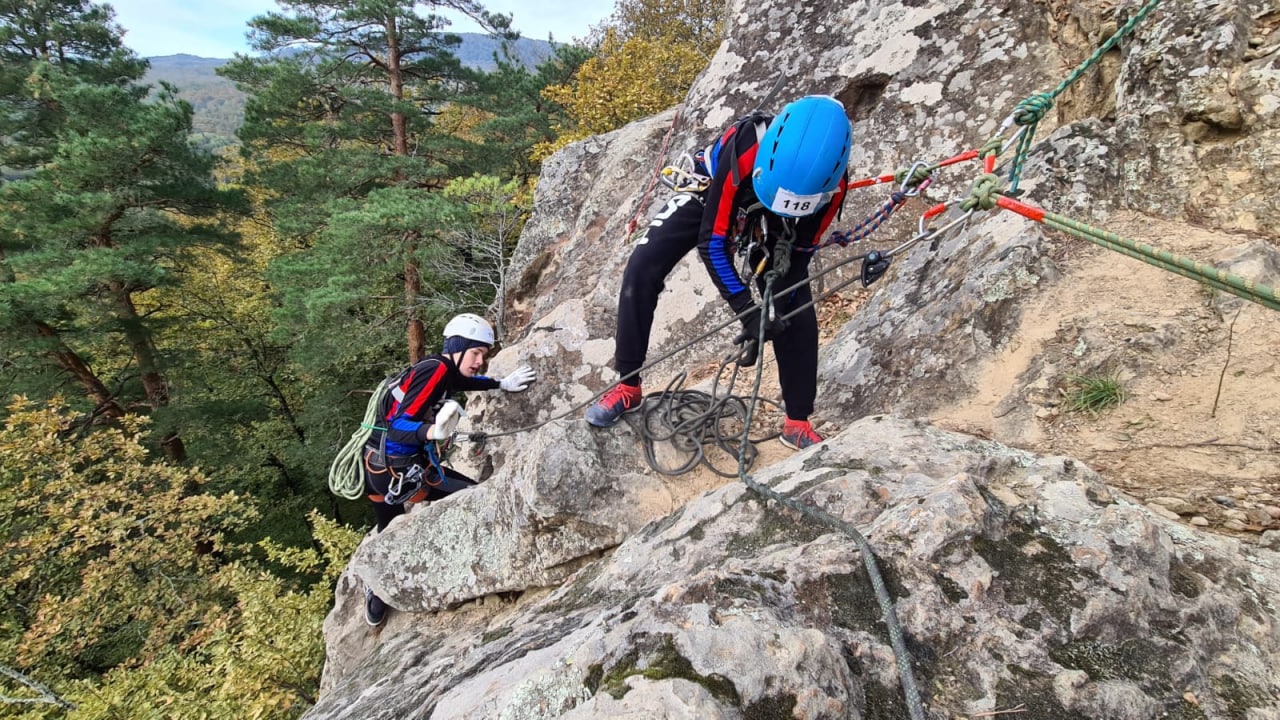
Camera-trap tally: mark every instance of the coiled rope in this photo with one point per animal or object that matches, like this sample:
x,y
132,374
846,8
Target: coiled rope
x,y
345,476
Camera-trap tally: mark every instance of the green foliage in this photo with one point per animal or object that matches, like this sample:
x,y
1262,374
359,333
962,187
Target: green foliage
x,y
1094,392
120,588
262,660
217,105
107,555
84,238
253,318
46,44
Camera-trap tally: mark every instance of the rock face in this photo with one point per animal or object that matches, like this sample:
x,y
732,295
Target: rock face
x,y
1018,579
1020,582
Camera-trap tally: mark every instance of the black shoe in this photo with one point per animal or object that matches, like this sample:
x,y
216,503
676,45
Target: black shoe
x,y
375,611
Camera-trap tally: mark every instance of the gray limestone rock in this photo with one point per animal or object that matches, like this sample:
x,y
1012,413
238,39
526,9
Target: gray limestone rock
x,y
1018,579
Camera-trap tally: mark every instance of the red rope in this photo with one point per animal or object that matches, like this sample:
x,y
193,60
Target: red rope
x,y
644,201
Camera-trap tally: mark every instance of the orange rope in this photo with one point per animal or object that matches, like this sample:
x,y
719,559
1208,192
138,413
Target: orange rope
x,y
644,201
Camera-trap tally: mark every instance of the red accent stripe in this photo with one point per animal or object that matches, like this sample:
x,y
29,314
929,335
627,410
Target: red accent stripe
x,y
935,211
729,191
430,387
832,210
966,155
868,182
1022,209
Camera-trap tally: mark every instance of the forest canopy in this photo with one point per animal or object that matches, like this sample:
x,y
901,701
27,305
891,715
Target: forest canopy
x,y
194,309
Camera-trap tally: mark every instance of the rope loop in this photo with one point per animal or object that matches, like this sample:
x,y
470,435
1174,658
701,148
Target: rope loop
x,y
910,178
994,146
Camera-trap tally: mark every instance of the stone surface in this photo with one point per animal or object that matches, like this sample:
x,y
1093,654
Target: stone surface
x,y
572,584
1093,606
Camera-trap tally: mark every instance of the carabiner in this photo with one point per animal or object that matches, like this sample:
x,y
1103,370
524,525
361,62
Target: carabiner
x,y
906,188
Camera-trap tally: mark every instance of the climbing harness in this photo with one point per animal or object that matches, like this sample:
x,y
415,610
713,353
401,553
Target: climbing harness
x,y
688,174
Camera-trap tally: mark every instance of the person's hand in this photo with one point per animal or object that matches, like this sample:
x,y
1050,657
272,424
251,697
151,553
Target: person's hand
x,y
446,420
519,380
749,338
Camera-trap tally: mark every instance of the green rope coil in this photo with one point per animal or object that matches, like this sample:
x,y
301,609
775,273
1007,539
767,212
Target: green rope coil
x,y
345,476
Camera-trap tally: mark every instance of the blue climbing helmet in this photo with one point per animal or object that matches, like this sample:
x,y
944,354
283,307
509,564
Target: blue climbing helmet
x,y
802,156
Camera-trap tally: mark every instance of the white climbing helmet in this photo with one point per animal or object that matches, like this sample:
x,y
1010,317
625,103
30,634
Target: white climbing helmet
x,y
471,327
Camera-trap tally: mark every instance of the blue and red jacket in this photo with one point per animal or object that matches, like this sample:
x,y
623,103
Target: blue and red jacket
x,y
410,407
724,200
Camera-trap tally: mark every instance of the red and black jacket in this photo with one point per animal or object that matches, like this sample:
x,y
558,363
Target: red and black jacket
x,y
409,408
730,193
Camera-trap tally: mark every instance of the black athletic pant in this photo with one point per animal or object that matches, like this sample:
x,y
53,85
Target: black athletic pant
x,y
671,235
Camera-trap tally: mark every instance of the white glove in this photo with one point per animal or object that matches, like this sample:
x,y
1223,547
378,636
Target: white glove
x,y
446,420
518,380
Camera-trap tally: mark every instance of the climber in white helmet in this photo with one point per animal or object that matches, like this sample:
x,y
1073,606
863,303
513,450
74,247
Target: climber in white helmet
x,y
401,460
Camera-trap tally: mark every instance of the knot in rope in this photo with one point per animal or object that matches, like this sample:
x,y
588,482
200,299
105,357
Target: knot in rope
x,y
983,193
994,146
913,176
1033,109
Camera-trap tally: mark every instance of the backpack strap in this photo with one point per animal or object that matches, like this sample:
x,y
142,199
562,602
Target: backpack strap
x,y
761,125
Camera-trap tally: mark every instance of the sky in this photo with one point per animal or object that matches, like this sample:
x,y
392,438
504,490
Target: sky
x,y
216,28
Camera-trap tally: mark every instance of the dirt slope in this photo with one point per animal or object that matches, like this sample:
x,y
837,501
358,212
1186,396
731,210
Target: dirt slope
x,y
1198,433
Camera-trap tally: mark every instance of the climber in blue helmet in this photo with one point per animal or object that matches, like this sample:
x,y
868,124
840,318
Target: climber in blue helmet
x,y
789,171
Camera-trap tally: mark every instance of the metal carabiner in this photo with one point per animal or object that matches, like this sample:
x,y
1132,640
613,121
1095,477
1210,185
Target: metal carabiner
x,y
906,188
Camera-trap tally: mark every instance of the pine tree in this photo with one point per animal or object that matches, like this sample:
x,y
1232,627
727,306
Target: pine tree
x,y
110,202
342,116
44,43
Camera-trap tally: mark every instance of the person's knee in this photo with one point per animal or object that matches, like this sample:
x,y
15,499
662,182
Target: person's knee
x,y
643,279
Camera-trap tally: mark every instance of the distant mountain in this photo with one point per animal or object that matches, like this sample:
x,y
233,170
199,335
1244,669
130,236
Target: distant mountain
x,y
219,106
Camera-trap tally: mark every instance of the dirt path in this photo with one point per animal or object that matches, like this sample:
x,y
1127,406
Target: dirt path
x,y
1199,431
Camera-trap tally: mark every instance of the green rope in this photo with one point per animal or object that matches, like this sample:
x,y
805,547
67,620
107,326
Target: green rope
x,y
1214,277
982,194
888,615
1032,110
345,476
919,173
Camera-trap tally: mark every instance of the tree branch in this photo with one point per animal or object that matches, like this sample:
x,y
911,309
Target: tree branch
x,y
47,696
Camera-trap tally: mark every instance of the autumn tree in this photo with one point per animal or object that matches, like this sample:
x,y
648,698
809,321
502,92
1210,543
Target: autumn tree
x,y
647,55
108,556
